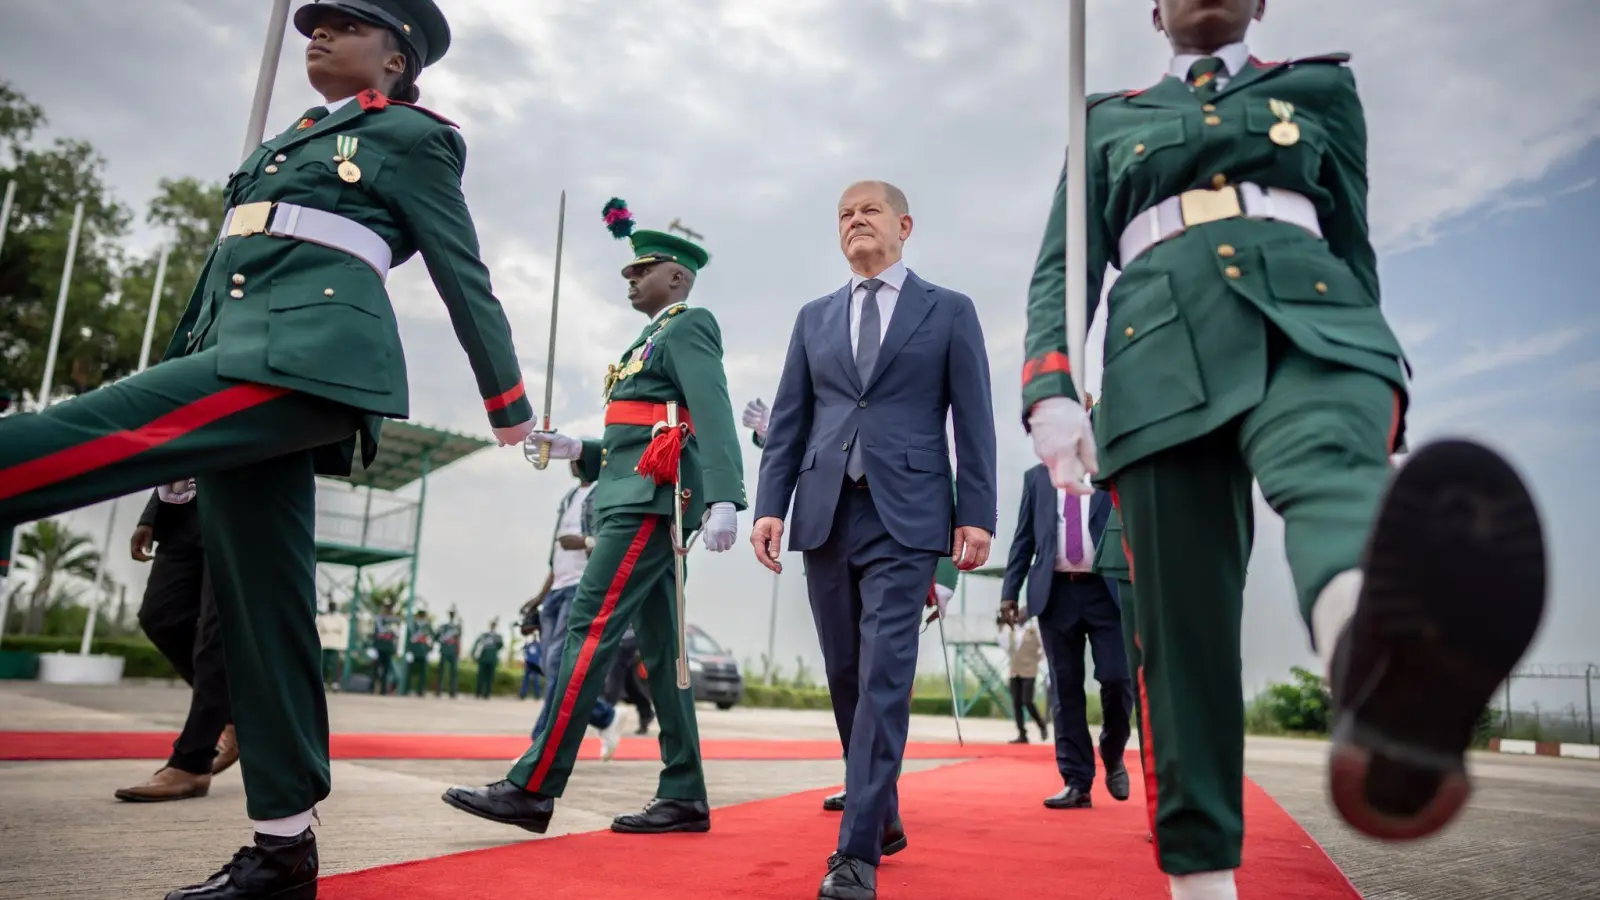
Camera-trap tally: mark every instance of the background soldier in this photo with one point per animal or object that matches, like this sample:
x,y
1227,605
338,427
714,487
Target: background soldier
x,y
449,638
486,653
385,641
419,643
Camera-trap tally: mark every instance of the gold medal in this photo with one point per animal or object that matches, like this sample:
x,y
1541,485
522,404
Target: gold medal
x,y
1285,134
351,173
611,382
347,145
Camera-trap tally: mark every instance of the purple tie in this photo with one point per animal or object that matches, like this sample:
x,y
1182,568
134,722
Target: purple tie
x,y
1074,523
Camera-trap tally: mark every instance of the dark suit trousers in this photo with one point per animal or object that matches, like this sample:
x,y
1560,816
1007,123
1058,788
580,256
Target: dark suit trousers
x,y
179,615
867,594
1081,611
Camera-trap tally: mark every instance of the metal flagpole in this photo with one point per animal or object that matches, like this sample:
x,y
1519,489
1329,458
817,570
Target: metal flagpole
x,y
276,26
1077,199
61,308
155,304
99,577
772,628
5,210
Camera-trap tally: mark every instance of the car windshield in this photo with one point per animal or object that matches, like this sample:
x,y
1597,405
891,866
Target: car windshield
x,y
702,645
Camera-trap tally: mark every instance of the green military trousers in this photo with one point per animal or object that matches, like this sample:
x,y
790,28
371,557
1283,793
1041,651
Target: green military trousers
x,y
249,447
629,580
485,684
1319,444
416,676
447,664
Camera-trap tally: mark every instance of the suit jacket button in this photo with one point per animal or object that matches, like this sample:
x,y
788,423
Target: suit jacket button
x,y
862,404
845,446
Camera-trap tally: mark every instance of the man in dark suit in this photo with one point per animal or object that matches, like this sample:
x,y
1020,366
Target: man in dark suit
x,y
1053,552
857,440
179,615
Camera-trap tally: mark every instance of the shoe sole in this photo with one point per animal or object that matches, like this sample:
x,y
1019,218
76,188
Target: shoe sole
x,y
301,892
690,827
1432,638
894,846
537,826
129,797
1049,805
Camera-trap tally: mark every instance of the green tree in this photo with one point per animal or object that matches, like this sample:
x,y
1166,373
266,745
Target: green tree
x,y
50,550
188,213
1302,705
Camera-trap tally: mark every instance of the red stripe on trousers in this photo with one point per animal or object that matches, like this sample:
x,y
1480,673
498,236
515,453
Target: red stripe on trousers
x,y
122,445
591,642
1394,423
1146,743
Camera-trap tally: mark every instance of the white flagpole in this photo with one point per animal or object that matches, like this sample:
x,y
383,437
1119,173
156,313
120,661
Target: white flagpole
x,y
100,581
61,309
155,304
5,210
276,26
1077,199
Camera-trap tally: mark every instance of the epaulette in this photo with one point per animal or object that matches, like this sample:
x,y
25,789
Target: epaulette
x,y
372,100
1097,99
1337,59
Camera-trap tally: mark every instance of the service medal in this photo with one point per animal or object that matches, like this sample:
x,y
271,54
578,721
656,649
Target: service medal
x,y
349,172
347,145
1285,133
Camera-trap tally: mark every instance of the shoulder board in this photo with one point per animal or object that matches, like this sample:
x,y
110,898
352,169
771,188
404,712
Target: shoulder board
x,y
1097,99
371,101
1336,59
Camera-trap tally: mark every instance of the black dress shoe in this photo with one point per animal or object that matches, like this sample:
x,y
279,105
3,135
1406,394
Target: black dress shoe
x,y
1069,798
1044,734
1431,639
1019,739
834,802
276,868
662,815
505,803
1116,778
894,838
848,878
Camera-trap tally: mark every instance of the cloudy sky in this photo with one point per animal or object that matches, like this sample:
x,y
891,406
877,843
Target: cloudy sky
x,y
745,118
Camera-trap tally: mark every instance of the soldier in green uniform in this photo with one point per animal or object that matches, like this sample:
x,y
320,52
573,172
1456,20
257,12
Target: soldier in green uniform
x,y
385,642
287,353
1245,341
419,643
486,653
677,357
449,638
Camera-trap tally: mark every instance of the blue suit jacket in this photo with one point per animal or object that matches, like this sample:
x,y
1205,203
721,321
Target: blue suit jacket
x,y
933,362
1033,550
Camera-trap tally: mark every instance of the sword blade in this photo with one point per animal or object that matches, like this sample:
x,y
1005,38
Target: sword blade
x,y
955,701
555,309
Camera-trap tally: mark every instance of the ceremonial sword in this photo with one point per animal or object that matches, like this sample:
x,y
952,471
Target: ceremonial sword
x,y
542,458
955,701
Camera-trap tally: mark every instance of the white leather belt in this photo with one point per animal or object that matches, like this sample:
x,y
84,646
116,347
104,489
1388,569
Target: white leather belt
x,y
1172,216
302,223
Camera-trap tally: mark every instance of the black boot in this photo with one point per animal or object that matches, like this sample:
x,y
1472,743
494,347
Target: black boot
x,y
276,868
662,815
505,803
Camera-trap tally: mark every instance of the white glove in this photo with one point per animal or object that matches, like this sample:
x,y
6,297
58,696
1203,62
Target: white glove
x,y
561,446
515,434
1064,441
721,528
941,599
756,416
178,492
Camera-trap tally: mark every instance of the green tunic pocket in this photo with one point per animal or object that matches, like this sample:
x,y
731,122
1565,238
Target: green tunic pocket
x,y
1138,145
321,334
1151,370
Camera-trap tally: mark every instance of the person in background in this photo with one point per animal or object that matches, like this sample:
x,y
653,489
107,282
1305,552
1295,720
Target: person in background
x,y
333,630
449,638
627,679
419,643
532,670
755,417
1024,648
385,641
486,654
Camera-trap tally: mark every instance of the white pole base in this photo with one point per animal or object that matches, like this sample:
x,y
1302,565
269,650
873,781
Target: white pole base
x,y
72,668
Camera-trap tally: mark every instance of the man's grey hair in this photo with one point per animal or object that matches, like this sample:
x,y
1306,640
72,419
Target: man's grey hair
x,y
896,197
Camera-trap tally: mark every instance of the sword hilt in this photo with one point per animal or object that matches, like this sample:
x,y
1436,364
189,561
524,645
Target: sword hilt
x,y
541,457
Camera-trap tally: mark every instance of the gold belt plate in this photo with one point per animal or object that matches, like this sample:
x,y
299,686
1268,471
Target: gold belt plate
x,y
1202,206
251,218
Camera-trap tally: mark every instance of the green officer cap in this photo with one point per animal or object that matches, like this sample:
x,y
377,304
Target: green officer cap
x,y
419,24
650,247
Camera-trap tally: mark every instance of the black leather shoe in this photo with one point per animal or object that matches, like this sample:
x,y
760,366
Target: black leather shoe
x,y
1069,798
505,803
662,815
1116,779
276,868
1020,739
834,802
1044,734
848,878
894,838
1430,640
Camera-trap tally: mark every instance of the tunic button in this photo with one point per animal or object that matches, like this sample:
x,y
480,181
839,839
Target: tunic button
x,y
237,278
236,294
1231,271
1225,251
1322,288
1129,332
271,170
1209,107
327,292
1138,148
1213,120
280,158
1219,181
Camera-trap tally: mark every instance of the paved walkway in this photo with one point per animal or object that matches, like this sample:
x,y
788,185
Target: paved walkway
x,y
1533,833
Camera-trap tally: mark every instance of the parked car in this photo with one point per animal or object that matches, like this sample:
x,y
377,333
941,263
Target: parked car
x,y
713,672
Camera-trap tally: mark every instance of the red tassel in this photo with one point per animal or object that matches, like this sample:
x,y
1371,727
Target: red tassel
x,y
660,459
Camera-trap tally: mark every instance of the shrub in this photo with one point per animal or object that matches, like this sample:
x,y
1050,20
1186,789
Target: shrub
x,y
1300,706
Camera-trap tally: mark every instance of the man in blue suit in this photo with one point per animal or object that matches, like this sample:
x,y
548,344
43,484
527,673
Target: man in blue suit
x,y
1053,552
857,440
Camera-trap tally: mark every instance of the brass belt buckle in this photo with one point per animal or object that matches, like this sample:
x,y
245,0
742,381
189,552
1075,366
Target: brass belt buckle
x,y
1202,206
251,218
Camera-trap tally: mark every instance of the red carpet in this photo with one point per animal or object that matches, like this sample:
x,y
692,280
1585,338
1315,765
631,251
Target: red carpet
x,y
976,830
18,746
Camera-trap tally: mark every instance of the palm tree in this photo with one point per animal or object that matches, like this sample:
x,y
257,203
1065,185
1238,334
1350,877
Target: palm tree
x,y
50,550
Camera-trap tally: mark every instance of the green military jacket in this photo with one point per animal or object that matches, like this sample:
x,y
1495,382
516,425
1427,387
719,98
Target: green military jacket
x,y
946,573
7,535
1110,555
420,641
310,318
386,634
678,356
486,651
1186,336
449,637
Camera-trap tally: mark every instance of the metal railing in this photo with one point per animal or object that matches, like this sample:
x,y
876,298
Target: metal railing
x,y
361,517
1560,708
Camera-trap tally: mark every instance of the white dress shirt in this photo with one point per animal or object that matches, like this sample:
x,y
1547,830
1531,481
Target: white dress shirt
x,y
1233,56
337,105
569,564
893,279
1087,563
